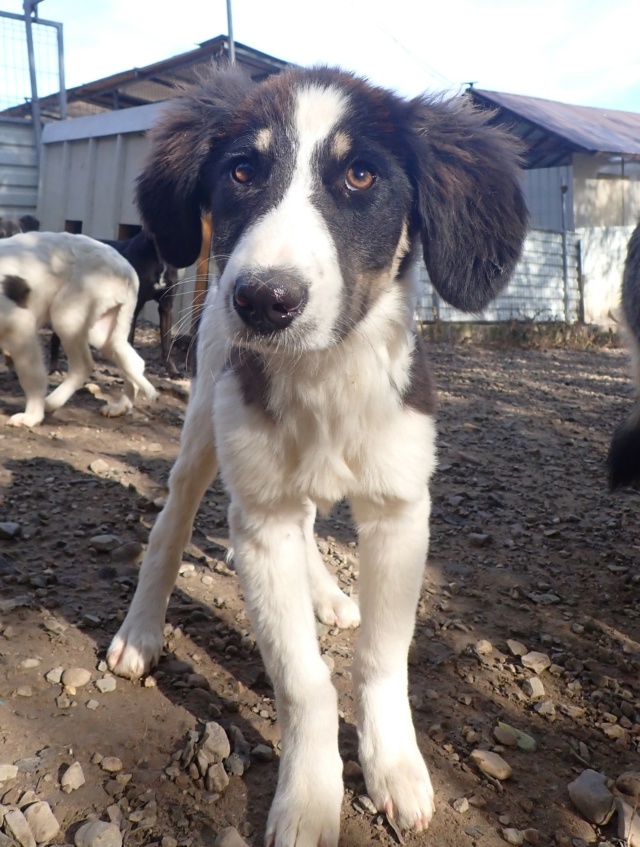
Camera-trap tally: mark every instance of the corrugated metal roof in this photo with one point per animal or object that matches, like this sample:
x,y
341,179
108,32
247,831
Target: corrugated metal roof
x,y
153,83
554,130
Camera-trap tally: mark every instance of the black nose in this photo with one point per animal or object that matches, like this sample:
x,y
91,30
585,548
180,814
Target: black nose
x,y
269,300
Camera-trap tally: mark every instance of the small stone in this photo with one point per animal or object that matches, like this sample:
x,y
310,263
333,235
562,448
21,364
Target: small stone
x,y
214,742
15,825
42,821
24,691
29,664
491,764
75,677
127,552
461,805
229,837
506,735
9,530
629,783
92,705
98,834
546,708
106,684
105,543
516,648
216,779
264,753
72,778
54,676
483,647
531,836
533,688
99,466
54,626
8,772
512,836
628,823
536,662
590,795
111,764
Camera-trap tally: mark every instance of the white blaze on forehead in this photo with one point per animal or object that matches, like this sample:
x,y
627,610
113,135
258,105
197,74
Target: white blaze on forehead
x,y
293,235
317,111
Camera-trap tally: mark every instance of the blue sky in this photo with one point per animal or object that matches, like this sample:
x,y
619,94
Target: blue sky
x,y
576,51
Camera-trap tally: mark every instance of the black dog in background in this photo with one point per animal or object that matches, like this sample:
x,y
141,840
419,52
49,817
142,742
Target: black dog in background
x,y
12,226
624,452
157,282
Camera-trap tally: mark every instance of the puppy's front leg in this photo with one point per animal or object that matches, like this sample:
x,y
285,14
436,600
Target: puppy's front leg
x,y
138,643
270,552
393,541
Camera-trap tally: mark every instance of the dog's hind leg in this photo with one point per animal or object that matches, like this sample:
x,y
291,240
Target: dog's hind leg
x,y
138,643
269,543
116,347
80,365
393,548
331,605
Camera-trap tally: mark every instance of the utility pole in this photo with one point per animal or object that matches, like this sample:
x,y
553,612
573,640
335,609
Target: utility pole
x,y
232,46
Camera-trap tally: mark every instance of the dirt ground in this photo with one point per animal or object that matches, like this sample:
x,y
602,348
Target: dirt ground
x,y
527,544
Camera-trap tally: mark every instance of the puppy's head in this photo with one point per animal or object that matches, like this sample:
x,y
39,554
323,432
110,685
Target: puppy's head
x,y
320,187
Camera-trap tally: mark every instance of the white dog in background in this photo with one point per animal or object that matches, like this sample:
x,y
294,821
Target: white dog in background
x,y
87,292
313,386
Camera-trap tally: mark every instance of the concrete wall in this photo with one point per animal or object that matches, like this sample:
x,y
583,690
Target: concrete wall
x,y
18,169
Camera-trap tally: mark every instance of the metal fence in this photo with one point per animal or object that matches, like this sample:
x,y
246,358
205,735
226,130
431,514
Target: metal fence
x,y
544,287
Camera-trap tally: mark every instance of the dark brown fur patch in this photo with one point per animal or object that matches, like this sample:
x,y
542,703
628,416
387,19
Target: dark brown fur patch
x,y
17,289
249,368
420,394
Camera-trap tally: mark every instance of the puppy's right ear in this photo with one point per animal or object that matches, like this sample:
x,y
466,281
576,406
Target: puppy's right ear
x,y
169,191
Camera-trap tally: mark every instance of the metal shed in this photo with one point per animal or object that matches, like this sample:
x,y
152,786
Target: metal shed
x,y
594,153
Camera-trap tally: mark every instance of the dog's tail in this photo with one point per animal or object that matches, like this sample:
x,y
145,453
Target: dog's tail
x,y
624,452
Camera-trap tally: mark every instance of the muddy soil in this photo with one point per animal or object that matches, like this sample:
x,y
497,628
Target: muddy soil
x,y
527,545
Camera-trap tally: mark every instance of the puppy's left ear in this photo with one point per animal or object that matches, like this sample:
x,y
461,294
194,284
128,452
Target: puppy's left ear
x,y
471,210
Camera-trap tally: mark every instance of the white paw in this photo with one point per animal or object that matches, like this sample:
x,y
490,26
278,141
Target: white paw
x,y
23,419
401,787
334,608
135,649
306,809
115,410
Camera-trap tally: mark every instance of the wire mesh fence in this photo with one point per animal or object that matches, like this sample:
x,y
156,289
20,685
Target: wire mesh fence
x,y
15,86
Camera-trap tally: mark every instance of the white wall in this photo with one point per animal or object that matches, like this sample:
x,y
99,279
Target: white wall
x,y
604,250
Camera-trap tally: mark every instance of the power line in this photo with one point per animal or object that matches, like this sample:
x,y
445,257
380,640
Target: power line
x,y
425,66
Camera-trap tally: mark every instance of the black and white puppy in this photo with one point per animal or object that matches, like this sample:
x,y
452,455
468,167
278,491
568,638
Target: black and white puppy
x,y
313,385
624,451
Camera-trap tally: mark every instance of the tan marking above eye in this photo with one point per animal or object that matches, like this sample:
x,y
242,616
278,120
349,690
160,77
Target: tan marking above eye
x,y
263,139
340,145
359,177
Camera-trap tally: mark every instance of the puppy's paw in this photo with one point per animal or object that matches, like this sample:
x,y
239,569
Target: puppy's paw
x,y
115,410
23,419
334,608
135,649
306,810
401,786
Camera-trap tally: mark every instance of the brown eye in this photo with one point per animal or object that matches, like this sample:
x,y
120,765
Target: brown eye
x,y
359,177
243,171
